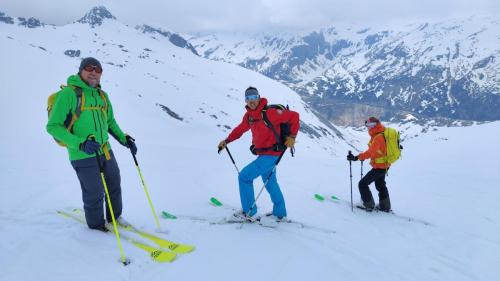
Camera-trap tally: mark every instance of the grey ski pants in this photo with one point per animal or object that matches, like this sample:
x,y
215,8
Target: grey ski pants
x,y
93,194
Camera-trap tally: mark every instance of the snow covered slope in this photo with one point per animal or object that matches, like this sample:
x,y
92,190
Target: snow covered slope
x,y
435,181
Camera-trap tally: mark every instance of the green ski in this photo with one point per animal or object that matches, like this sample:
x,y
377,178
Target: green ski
x,y
168,215
215,202
322,198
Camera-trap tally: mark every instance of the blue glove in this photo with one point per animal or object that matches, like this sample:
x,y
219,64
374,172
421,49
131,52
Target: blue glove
x,y
90,146
131,144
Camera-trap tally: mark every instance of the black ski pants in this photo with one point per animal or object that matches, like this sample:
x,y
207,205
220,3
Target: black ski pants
x,y
377,176
93,193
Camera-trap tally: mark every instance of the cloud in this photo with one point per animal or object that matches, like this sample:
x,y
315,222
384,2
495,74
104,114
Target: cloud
x,y
245,15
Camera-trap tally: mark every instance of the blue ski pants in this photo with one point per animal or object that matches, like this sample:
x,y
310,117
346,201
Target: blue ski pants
x,y
263,166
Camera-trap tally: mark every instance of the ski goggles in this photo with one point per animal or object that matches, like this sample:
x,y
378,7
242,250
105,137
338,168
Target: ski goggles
x,y
252,98
91,68
370,124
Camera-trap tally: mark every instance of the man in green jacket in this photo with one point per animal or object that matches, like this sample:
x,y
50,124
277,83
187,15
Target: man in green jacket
x,y
87,136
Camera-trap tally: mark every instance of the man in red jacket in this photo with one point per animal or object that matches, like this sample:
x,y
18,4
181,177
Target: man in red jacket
x,y
268,149
377,151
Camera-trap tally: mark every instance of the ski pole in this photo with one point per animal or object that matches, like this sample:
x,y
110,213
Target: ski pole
x,y
362,168
230,156
124,260
350,175
266,181
146,191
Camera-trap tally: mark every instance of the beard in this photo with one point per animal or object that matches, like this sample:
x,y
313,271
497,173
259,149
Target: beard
x,y
93,82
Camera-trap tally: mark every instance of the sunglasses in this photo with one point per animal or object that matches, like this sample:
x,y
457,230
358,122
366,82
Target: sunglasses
x,y
91,68
370,124
251,98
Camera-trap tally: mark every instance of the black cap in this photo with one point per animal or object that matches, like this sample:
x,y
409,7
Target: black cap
x,y
89,61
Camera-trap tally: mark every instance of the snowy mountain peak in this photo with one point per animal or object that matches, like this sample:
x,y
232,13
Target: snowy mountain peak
x,y
29,23
174,38
6,19
96,16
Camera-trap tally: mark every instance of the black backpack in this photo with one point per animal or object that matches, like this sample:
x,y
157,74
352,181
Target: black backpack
x,y
279,146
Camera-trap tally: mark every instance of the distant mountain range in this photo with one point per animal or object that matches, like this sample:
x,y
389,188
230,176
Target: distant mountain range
x,y
446,70
441,72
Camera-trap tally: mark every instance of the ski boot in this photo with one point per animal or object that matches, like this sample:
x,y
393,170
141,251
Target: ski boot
x,y
384,205
244,217
367,206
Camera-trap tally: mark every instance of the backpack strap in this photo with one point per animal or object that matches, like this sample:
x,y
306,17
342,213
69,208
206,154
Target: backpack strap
x,y
80,102
104,100
269,124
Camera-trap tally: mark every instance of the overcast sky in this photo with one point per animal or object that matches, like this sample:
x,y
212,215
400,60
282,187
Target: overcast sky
x,y
251,15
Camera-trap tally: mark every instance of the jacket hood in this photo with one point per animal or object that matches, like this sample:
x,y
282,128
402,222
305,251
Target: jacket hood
x,y
262,104
379,128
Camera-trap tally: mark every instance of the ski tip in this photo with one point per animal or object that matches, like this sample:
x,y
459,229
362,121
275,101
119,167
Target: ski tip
x,y
215,202
334,197
167,215
163,256
319,197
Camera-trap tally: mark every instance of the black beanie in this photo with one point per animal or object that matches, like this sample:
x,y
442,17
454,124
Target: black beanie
x,y
89,61
251,91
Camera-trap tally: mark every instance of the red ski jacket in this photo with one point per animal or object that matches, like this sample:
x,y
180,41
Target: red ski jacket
x,y
262,136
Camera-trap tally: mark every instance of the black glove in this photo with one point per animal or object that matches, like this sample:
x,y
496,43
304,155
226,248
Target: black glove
x,y
351,157
90,146
131,144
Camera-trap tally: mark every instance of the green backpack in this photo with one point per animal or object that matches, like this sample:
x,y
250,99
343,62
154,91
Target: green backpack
x,y
393,144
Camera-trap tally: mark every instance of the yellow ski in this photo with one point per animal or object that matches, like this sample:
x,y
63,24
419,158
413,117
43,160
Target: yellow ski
x,y
163,243
156,254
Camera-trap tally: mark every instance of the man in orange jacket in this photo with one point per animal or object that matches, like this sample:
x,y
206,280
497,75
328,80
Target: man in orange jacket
x,y
377,151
